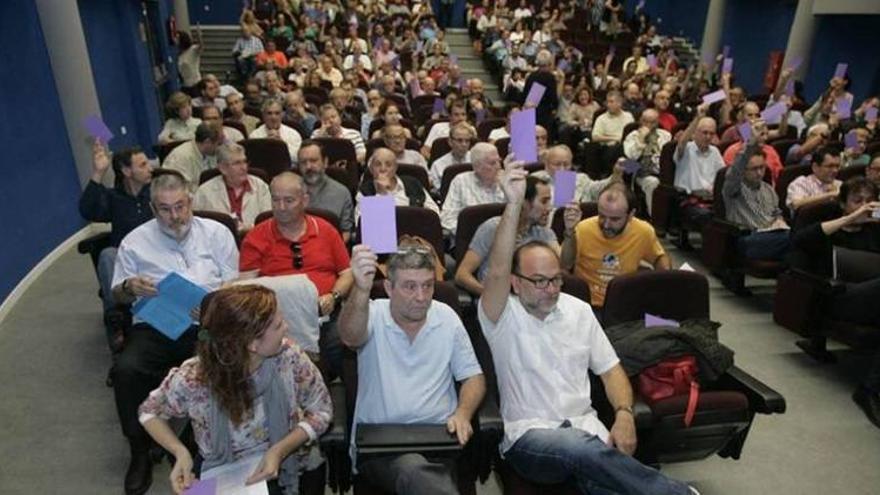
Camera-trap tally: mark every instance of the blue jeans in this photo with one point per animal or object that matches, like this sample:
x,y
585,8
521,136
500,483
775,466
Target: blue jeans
x,y
771,245
106,260
554,456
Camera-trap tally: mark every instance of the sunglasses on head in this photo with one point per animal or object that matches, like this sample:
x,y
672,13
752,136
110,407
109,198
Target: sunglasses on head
x,y
296,248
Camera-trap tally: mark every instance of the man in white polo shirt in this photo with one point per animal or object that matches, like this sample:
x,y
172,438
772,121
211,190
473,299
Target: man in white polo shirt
x,y
411,351
543,343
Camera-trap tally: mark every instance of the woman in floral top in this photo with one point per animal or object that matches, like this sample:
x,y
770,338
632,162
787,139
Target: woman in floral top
x,y
248,391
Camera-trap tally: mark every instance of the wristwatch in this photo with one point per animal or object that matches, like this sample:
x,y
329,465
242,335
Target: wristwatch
x,y
336,296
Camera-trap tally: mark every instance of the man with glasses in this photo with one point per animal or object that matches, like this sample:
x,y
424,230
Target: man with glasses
x,y
440,130
294,242
752,203
821,185
543,342
272,128
234,192
202,251
461,136
610,244
411,351
395,140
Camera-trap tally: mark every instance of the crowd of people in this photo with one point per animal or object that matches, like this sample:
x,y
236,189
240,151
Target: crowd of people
x,y
289,288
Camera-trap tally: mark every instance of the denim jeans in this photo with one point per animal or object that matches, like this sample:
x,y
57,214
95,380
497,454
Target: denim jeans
x,y
106,260
771,245
558,455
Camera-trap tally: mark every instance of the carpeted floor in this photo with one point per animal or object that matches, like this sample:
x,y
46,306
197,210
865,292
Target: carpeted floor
x,y
59,433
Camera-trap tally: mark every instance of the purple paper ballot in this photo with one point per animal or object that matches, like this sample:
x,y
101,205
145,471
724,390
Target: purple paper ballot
x,y
379,224
631,166
97,129
795,63
725,51
851,140
652,61
773,113
840,71
708,59
871,114
656,321
727,66
789,87
745,131
564,182
640,5
843,106
536,93
203,487
523,142
415,87
562,65
439,106
480,115
714,97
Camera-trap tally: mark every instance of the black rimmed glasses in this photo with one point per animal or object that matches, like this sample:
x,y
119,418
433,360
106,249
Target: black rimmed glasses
x,y
296,249
542,282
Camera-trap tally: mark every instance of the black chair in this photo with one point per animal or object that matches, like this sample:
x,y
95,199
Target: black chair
x,y
439,148
162,150
588,209
469,220
416,221
270,155
448,174
209,174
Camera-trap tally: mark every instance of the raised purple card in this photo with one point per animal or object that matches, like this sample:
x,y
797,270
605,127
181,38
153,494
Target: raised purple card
x,y
727,66
789,87
536,93
97,129
840,70
480,115
631,166
656,321
652,61
523,141
379,223
726,51
843,105
773,113
415,87
871,114
745,131
795,63
851,140
439,106
202,487
564,182
562,65
640,5
714,97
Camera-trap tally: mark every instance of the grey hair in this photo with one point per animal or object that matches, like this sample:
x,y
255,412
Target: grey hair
x,y
544,58
228,151
171,181
410,259
481,151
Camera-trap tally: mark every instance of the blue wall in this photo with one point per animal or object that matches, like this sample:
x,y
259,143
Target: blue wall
x,y
851,39
40,187
679,17
219,11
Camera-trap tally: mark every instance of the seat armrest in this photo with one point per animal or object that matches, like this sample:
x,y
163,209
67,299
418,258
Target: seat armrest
x,y
93,244
399,438
335,436
762,398
732,228
642,414
489,416
828,286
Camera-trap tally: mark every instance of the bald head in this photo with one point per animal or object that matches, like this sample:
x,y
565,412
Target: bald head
x,y
286,180
705,132
557,158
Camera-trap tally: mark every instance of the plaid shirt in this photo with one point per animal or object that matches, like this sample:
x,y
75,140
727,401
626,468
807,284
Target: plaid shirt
x,y
807,186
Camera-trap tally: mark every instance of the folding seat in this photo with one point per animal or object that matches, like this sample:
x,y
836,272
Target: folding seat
x,y
720,252
448,174
588,209
209,174
237,126
488,125
225,219
469,220
415,171
503,146
379,123
373,144
418,221
162,150
271,155
338,151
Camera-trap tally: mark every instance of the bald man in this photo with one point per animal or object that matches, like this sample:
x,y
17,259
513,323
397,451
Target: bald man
x,y
697,161
559,157
477,187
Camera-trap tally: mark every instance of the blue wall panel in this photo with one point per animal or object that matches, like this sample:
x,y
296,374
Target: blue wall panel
x,y
851,39
40,187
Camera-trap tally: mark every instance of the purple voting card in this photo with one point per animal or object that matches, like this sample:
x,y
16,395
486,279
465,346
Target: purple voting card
x,y
379,223
439,106
480,115
851,140
536,93
203,487
727,66
789,87
745,131
640,5
725,51
97,129
631,166
564,182
795,63
656,321
871,114
773,113
652,61
840,71
843,105
395,62
562,65
714,97
523,141
415,87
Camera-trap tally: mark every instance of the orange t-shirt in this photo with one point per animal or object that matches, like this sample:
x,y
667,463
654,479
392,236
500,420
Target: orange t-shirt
x,y
600,259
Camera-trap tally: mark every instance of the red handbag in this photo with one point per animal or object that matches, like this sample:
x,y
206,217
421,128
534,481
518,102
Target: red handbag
x,y
669,378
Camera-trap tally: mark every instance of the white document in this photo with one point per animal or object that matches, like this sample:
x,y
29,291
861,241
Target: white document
x,y
231,477
686,267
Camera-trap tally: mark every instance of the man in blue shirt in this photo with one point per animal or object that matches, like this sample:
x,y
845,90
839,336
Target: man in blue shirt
x,y
411,351
125,206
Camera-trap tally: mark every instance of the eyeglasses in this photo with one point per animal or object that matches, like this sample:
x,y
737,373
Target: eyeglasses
x,y
296,248
414,250
542,282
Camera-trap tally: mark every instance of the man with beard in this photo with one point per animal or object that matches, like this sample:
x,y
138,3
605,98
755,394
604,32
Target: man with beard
x,y
411,351
324,192
610,244
200,250
532,226
543,342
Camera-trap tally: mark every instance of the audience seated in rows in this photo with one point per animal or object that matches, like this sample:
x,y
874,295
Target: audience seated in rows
x,y
234,192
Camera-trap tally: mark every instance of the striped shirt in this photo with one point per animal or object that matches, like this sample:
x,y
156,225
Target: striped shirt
x,y
248,47
466,190
807,186
753,207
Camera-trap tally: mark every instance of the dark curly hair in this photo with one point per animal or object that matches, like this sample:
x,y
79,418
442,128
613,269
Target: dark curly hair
x,y
231,319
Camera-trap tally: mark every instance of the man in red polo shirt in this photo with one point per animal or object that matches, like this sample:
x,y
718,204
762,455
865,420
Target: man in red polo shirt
x,y
296,243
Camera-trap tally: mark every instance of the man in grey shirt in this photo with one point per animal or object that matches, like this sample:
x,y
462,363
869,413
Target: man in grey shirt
x,y
752,203
532,227
324,192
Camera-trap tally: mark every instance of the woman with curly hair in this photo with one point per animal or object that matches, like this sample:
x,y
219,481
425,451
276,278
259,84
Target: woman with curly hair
x,y
248,391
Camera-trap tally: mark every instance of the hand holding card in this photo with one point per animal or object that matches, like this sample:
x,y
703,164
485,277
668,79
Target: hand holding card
x,y
379,224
